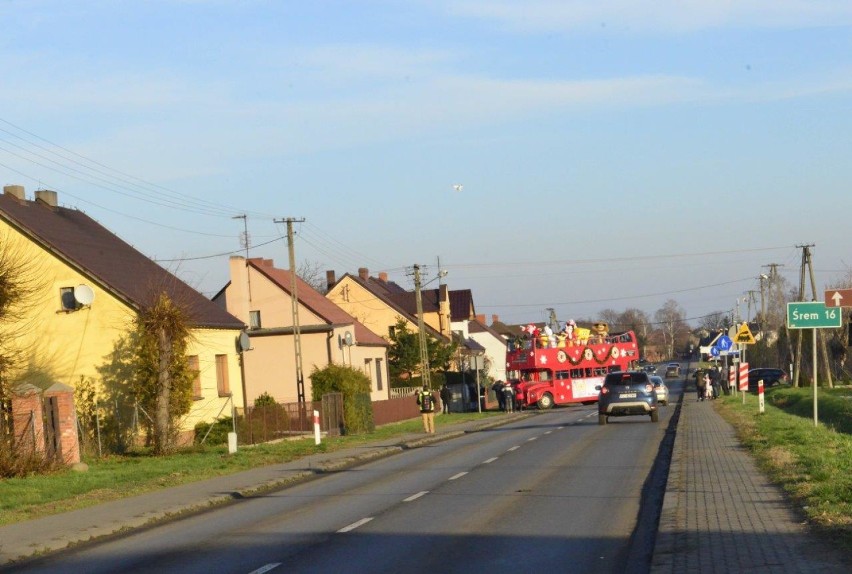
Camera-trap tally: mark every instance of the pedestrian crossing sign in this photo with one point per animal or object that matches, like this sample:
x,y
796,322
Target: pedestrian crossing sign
x,y
744,336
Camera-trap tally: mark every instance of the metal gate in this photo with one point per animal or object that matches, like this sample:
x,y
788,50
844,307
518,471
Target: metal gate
x,y
333,420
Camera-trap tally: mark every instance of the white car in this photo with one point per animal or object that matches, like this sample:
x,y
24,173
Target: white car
x,y
661,389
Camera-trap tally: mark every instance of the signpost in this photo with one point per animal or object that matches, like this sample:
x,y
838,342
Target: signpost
x,y
815,315
760,403
812,315
838,298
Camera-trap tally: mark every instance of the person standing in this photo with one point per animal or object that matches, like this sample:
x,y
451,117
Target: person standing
x,y
497,387
426,400
508,397
700,384
715,381
446,397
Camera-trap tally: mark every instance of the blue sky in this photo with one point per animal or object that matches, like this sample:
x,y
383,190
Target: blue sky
x,y
613,154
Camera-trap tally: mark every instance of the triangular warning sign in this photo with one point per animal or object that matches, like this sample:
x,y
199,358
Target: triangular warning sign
x,y
744,336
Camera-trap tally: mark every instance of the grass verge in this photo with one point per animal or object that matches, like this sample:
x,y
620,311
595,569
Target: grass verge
x,y
812,464
115,477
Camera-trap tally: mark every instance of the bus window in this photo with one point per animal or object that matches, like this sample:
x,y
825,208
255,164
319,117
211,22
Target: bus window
x,y
562,375
600,371
576,373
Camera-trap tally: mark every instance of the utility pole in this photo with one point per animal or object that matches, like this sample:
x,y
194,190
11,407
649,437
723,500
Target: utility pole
x,y
294,295
421,331
807,262
245,242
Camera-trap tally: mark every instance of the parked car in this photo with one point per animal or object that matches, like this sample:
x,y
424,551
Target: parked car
x,y
650,369
672,370
661,389
771,378
626,393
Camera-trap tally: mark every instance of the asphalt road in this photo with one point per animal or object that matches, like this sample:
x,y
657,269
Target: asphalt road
x,y
552,493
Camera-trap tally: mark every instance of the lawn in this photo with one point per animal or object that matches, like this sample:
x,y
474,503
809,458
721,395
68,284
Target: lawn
x,y
812,464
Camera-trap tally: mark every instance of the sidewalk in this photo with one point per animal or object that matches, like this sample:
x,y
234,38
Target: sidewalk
x,y
51,533
721,514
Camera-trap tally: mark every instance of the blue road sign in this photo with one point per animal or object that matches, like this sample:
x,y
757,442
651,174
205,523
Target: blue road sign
x,y
714,351
724,343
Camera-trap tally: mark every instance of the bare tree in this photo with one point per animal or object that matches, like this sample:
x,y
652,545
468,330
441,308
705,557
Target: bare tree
x,y
311,272
714,321
672,320
21,280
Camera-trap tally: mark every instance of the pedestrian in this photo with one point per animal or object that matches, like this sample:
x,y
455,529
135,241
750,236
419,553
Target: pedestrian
x,y
723,376
446,397
715,381
426,400
708,387
497,387
508,397
700,384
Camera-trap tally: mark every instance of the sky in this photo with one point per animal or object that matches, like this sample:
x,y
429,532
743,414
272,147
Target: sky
x,y
573,155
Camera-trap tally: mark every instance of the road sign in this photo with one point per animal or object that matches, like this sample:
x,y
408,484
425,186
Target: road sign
x,y
744,336
714,351
812,315
724,343
743,376
838,298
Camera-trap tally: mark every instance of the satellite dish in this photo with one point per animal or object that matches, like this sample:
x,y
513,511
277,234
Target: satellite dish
x,y
243,342
347,338
84,295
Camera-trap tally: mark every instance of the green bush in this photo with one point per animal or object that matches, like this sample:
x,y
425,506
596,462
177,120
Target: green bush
x,y
218,434
355,387
264,400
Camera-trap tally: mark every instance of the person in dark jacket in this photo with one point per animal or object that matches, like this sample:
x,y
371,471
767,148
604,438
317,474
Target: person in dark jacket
x,y
497,387
446,397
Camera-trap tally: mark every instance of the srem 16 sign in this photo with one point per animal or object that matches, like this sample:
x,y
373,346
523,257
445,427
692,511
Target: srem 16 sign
x,y
812,315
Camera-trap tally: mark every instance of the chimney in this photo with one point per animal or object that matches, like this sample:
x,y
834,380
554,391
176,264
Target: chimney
x,y
383,277
47,197
16,191
330,280
481,319
363,273
495,319
444,294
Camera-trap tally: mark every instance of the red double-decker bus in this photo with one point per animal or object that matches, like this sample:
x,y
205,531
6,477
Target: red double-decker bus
x,y
545,375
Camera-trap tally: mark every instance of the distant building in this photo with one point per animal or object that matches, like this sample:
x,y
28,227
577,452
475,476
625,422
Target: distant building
x,y
260,294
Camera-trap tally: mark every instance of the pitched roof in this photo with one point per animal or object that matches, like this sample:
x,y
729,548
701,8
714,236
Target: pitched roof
x,y
477,326
399,302
315,301
461,302
97,253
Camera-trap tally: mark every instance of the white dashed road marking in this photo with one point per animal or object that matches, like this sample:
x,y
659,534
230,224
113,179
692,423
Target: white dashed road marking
x,y
416,496
513,448
459,475
492,459
532,438
355,525
266,568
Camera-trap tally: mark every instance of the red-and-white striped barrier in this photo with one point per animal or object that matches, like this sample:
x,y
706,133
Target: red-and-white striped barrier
x,y
316,428
743,376
732,379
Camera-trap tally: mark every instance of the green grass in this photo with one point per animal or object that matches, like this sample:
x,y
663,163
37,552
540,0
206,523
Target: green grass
x,y
115,477
812,464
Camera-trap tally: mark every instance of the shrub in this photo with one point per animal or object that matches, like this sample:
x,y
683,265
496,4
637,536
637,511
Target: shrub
x,y
218,433
355,387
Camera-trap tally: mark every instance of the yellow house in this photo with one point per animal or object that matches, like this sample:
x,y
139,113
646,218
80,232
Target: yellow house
x,y
260,294
87,286
379,303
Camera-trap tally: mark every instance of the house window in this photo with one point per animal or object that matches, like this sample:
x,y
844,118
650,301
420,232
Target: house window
x,y
66,298
368,369
254,319
222,376
379,381
192,363
392,331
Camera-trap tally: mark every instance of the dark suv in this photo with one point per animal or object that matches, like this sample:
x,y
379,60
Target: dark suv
x,y
626,393
770,377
